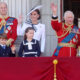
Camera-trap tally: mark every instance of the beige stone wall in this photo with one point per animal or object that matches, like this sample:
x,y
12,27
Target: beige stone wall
x,y
51,39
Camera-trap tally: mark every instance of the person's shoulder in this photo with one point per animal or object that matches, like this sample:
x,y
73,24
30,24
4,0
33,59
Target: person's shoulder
x,y
12,17
24,42
41,25
26,24
35,41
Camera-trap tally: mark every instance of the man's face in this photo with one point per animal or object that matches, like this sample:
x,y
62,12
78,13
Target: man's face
x,y
3,9
69,19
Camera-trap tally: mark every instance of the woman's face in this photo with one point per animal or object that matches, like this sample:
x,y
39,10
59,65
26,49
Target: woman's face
x,y
30,34
34,16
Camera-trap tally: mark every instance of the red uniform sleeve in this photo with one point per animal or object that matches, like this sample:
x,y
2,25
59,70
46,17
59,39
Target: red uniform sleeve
x,y
13,32
56,25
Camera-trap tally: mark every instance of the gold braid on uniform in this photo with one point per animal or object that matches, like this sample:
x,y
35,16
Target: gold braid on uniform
x,y
65,30
3,22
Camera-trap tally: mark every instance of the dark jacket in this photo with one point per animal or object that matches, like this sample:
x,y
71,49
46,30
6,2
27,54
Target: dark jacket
x,y
25,49
6,52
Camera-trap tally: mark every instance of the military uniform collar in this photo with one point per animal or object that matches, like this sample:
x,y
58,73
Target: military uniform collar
x,y
3,17
68,24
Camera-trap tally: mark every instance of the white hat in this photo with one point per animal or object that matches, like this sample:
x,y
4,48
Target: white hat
x,y
38,7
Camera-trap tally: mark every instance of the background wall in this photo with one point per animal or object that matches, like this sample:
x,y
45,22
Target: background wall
x,y
17,7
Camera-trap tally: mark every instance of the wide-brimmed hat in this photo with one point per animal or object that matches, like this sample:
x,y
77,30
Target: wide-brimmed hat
x,y
33,9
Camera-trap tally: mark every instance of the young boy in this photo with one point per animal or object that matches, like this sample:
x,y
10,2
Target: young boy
x,y
5,51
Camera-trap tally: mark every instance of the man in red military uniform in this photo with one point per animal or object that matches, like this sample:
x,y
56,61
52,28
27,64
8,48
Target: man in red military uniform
x,y
67,33
8,25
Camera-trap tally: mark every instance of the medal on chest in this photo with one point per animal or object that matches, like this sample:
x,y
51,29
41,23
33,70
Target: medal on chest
x,y
2,23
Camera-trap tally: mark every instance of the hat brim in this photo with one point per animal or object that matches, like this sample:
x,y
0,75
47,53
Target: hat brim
x,y
38,7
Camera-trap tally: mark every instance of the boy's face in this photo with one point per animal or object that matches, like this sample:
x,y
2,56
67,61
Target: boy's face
x,y
3,41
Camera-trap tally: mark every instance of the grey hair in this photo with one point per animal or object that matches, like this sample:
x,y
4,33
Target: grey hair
x,y
3,3
68,12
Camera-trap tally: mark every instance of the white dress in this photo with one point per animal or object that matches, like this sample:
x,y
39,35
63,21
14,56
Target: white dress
x,y
39,34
